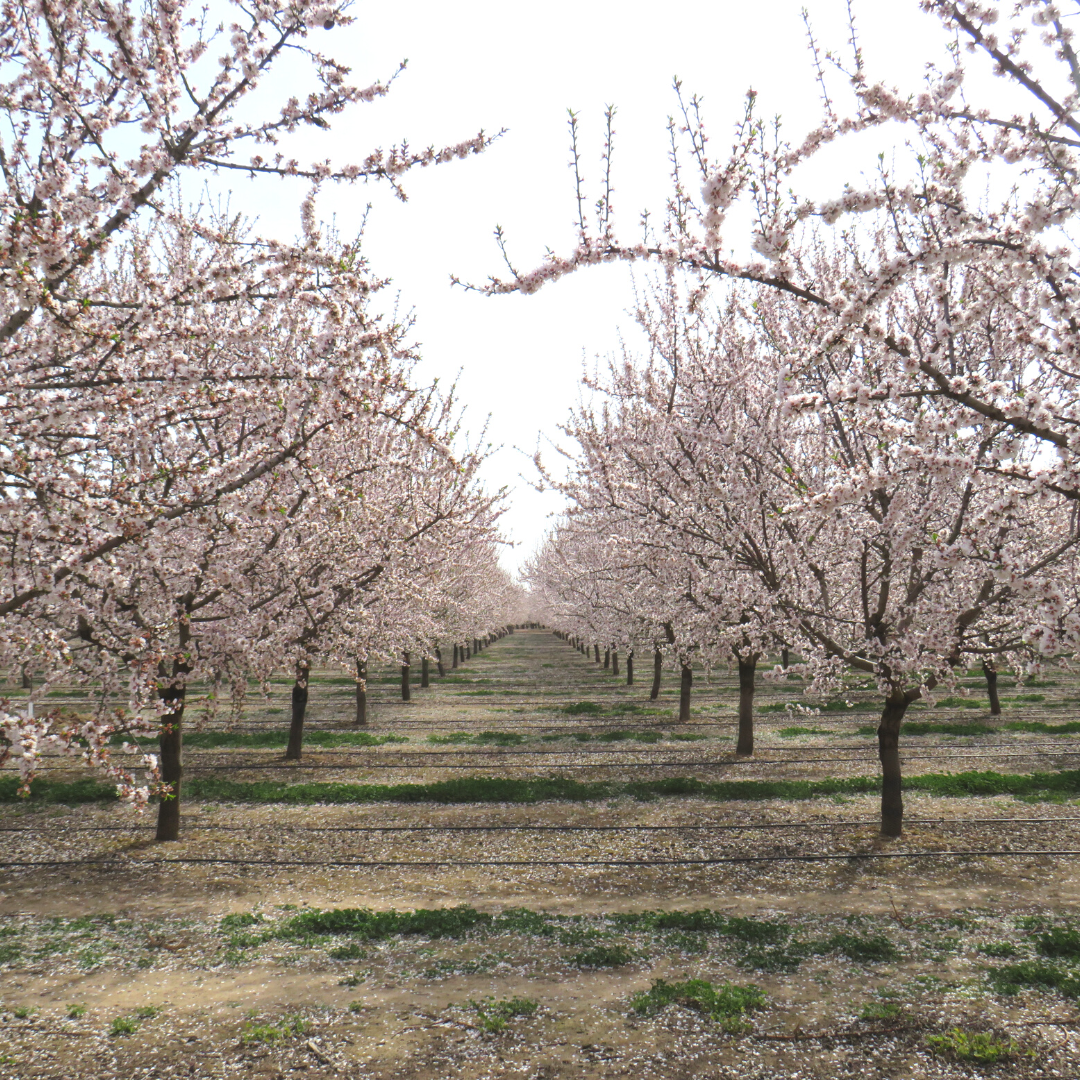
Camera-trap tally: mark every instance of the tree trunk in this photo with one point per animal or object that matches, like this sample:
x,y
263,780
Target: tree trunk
x,y
607,659
453,663
785,658
299,709
171,744
685,684
171,740
468,654
406,694
438,661
596,650
746,706
361,692
991,688
425,673
614,662
657,666
630,668
27,678
892,800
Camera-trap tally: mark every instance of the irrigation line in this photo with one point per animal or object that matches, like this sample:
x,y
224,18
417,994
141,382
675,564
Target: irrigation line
x,y
210,826
454,863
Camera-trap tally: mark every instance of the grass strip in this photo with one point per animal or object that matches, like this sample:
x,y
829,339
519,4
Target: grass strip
x,y
1035,787
272,739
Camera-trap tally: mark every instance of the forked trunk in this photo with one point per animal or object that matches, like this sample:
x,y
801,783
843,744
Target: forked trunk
x,y
361,692
630,668
299,710
406,693
614,662
439,663
657,667
425,673
171,744
685,683
991,688
746,706
892,800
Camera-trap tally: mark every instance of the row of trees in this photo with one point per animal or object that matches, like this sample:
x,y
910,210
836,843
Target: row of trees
x,y
216,457
860,443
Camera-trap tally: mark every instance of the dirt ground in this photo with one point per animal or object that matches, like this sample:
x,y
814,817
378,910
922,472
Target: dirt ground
x,y
872,963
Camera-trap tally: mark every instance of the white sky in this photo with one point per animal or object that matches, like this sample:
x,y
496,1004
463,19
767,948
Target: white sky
x,y
481,64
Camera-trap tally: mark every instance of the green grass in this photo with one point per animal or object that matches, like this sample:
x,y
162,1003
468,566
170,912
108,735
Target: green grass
x,y
601,956
484,738
275,1033
254,740
1060,942
495,1014
76,1011
880,1010
1034,787
582,708
1036,974
724,1002
972,1046
369,925
792,732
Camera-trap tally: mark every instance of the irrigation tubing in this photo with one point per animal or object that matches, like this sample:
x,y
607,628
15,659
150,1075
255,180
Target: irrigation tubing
x,y
194,823
454,863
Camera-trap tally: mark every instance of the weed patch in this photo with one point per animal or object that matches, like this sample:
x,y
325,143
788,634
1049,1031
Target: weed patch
x,y
1036,974
494,1014
1060,942
455,922
602,956
291,1027
880,1010
972,1046
724,1002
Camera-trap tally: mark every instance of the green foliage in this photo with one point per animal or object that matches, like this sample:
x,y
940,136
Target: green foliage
x,y
129,1024
370,925
356,1006
1060,942
22,1012
9,953
582,708
1000,950
290,1027
524,921
723,1002
687,736
928,728
960,703
352,951
76,1012
972,1046
880,1010
239,919
484,738
863,950
630,736
1037,974
792,732
496,1014
1034,787
600,956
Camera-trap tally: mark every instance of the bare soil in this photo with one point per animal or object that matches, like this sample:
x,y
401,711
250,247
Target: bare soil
x,y
247,998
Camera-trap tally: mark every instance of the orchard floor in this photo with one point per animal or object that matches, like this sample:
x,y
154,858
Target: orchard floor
x,y
865,960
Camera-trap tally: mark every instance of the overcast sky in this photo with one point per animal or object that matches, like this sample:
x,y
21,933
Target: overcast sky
x,y
495,65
